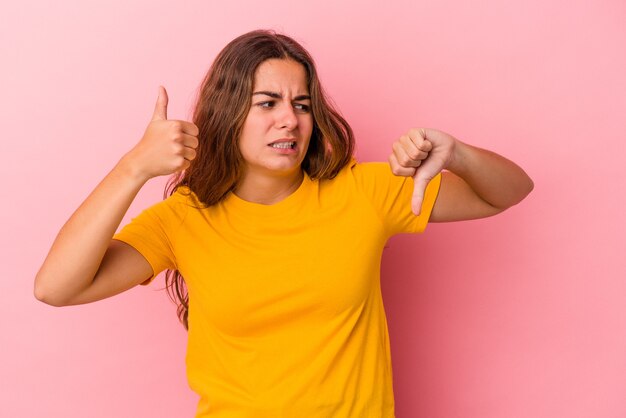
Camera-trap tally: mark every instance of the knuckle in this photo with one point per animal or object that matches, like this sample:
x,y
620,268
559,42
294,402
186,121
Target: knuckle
x,y
177,148
415,155
406,141
405,160
393,164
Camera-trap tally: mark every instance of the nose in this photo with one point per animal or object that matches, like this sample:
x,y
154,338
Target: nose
x,y
287,118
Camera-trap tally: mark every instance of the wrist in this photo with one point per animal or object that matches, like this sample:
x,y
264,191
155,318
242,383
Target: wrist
x,y
458,157
128,168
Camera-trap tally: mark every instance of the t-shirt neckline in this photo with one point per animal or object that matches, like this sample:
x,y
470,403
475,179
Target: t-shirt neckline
x,y
292,201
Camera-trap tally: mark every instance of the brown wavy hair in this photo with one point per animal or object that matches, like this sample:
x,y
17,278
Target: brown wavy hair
x,y
223,101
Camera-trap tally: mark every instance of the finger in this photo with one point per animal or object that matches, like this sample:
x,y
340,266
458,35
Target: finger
x,y
190,141
160,109
418,137
422,177
189,154
426,146
412,150
419,188
398,170
183,165
189,128
402,157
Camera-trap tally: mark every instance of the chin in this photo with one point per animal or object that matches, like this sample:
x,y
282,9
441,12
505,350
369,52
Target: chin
x,y
286,168
277,167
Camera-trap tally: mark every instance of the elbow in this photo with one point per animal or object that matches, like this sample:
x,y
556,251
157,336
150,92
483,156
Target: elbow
x,y
524,190
42,296
529,184
519,193
528,187
45,295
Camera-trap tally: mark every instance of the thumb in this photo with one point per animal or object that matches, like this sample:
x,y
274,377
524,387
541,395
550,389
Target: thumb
x,y
419,188
160,109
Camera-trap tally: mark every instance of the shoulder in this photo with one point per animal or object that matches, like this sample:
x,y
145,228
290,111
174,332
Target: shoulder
x,y
371,169
374,180
183,195
174,207
363,170
368,174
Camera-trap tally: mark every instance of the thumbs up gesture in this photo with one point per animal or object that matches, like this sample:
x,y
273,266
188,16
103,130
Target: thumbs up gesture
x,y
167,146
421,153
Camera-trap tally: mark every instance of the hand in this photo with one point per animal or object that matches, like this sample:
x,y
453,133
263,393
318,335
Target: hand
x,y
421,153
167,146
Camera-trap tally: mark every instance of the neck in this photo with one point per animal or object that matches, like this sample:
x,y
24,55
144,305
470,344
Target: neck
x,y
268,190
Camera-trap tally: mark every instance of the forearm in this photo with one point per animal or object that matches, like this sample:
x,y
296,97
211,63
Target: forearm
x,y
80,245
496,180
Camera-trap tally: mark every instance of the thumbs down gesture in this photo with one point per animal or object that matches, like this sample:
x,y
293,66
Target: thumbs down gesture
x,y
421,153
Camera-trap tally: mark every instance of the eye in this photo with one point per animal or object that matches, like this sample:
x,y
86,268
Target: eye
x,y
302,107
268,104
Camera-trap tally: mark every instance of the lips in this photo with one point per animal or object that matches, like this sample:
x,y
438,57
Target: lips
x,y
284,145
283,140
291,145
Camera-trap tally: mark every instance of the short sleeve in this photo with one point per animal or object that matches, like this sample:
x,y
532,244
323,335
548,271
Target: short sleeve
x,y
152,234
391,196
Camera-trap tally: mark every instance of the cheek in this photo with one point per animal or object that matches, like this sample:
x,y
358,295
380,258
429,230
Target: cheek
x,y
253,131
248,126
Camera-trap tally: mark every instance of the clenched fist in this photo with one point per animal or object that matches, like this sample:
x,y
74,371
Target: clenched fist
x,y
167,146
421,153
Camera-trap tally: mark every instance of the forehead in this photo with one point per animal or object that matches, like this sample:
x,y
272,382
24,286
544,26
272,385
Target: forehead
x,y
281,75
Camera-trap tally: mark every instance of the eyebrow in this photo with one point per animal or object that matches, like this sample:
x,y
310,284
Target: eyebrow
x,y
278,95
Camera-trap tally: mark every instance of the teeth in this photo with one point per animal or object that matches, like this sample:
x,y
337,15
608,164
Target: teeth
x,y
284,145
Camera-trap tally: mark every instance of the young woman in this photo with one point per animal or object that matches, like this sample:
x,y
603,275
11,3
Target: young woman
x,y
277,231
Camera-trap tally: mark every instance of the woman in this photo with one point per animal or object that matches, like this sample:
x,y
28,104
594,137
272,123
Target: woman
x,y
277,231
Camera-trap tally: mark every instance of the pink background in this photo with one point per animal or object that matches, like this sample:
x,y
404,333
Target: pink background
x,y
521,315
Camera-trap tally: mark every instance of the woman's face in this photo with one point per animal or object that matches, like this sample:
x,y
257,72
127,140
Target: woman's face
x,y
280,114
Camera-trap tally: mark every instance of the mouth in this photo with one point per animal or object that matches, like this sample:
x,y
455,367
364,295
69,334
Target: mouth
x,y
283,144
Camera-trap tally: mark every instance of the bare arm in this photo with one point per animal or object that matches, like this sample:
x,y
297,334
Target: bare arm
x,y
79,248
479,183
84,263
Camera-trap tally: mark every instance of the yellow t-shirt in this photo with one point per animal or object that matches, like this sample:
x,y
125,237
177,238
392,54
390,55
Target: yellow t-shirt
x,y
286,317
